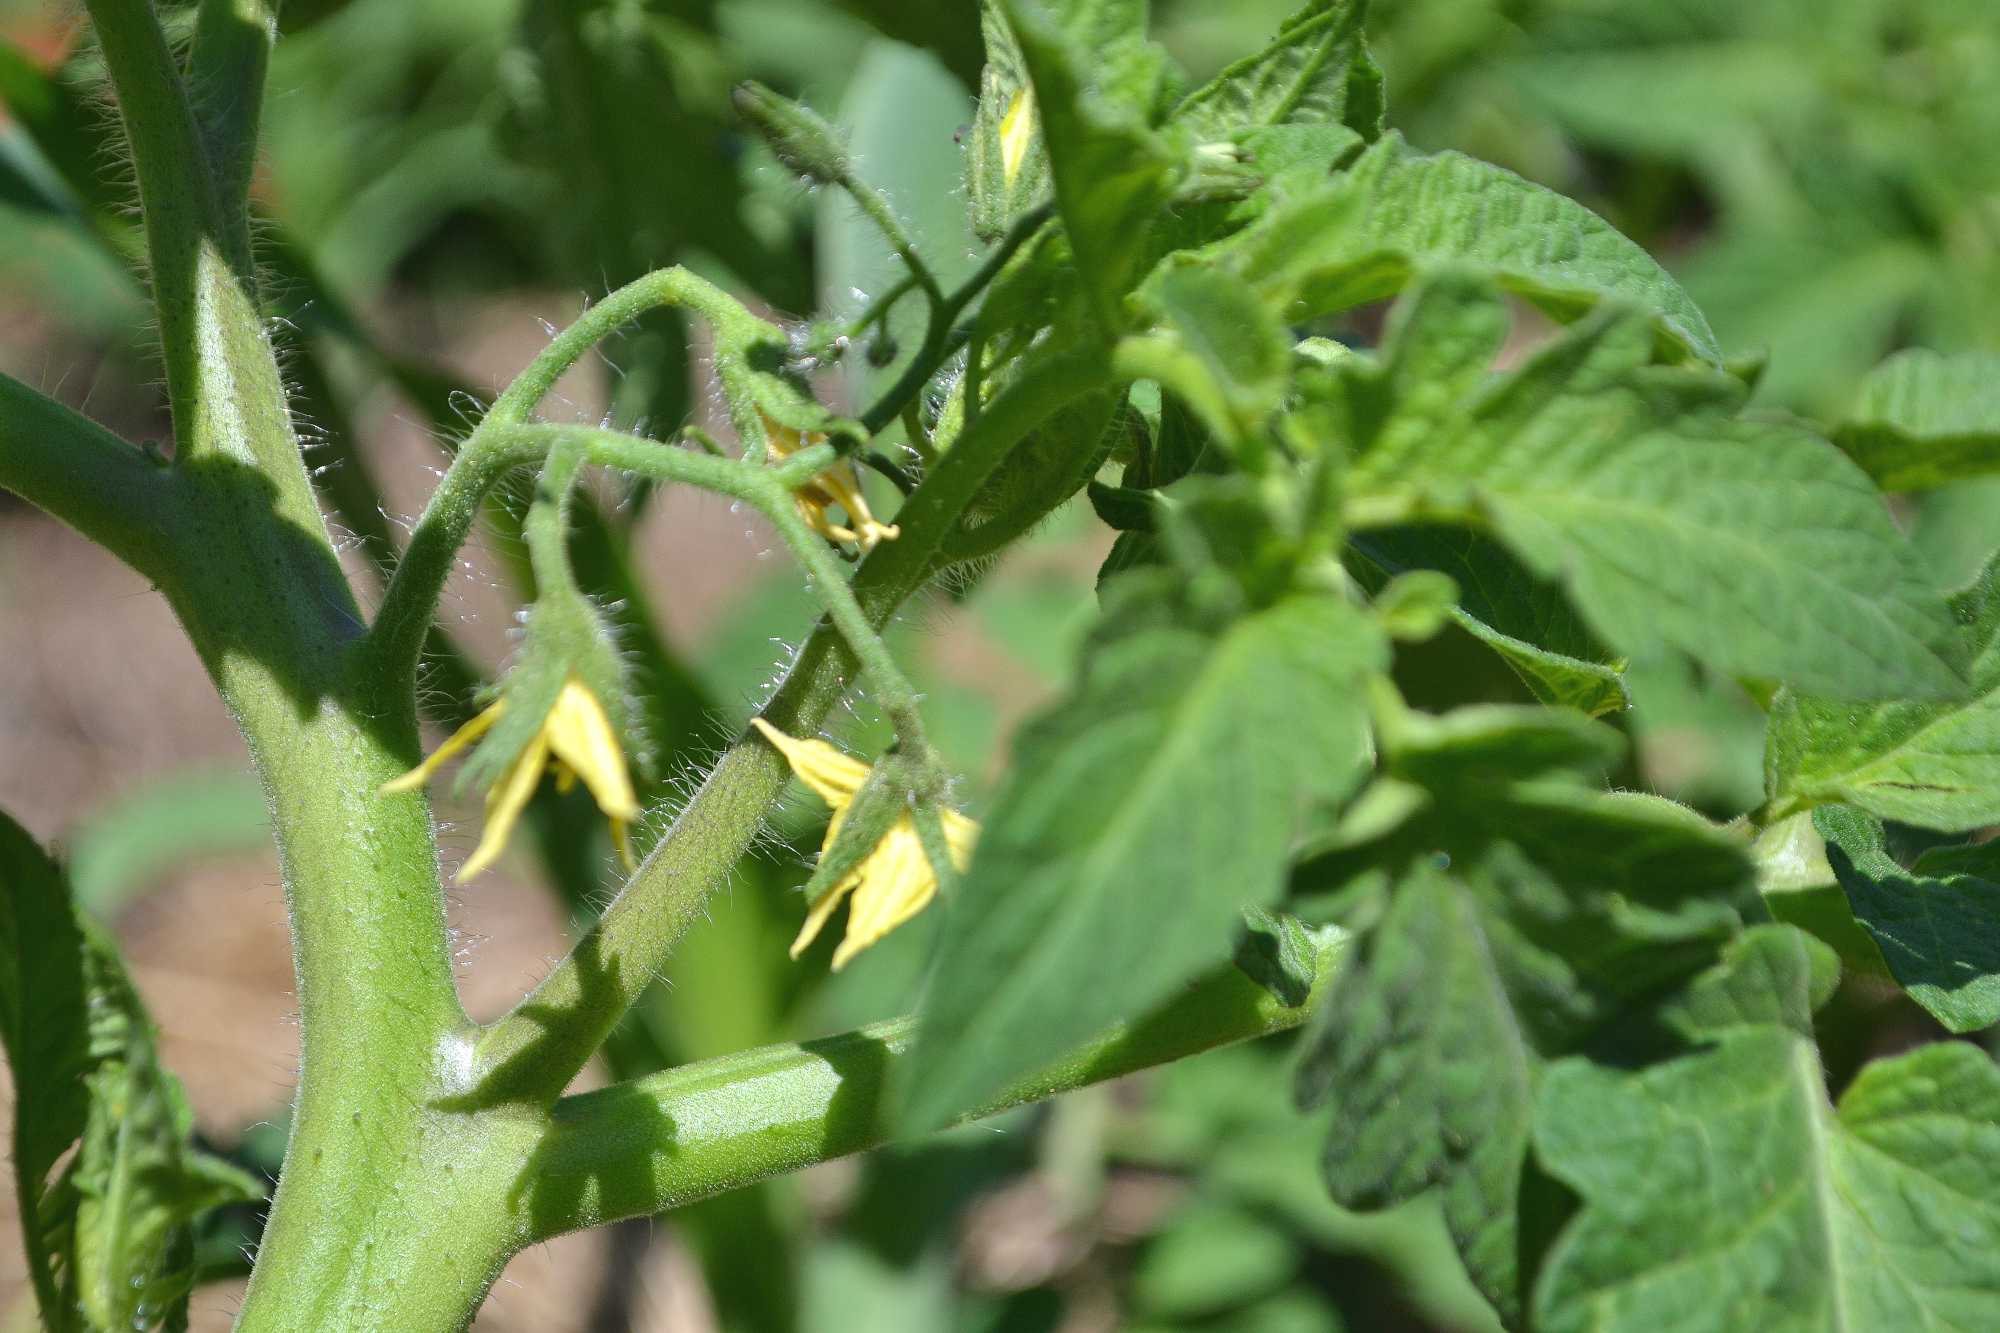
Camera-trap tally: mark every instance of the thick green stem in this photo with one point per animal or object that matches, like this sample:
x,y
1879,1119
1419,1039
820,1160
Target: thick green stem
x,y
532,1053
257,585
669,1140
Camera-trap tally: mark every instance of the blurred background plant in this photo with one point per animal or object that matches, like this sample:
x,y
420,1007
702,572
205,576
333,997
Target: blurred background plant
x,y
441,181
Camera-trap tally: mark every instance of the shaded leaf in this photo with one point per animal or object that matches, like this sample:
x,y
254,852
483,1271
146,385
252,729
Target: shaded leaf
x,y
1282,953
42,1007
109,1239
1428,1075
1562,908
1771,975
1527,620
1938,925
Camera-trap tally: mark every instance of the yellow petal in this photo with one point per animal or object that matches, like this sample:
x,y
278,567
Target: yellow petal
x,y
504,804
784,441
458,740
818,915
621,838
1017,132
835,776
847,494
896,884
581,736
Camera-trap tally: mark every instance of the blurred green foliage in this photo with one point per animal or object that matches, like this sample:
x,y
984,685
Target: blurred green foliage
x,y
1820,173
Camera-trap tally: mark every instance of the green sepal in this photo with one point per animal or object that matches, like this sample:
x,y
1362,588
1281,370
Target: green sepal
x,y
883,799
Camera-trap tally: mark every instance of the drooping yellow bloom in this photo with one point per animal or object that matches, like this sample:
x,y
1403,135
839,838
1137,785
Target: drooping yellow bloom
x,y
1017,131
838,485
576,740
895,881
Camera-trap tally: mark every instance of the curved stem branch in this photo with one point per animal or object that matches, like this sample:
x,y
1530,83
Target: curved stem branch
x,y
944,336
656,1143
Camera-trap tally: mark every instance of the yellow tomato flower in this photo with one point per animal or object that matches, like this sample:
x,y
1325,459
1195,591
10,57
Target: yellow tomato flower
x,y
576,740
895,881
1017,131
838,485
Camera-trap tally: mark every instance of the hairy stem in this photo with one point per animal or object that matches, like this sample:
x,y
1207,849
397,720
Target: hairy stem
x,y
232,50
504,440
533,1052
662,1142
943,337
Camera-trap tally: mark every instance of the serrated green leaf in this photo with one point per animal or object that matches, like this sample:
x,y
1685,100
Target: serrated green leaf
x,y
1752,545
1111,172
1369,230
1925,420
1428,1075
1316,70
1935,765
1721,1193
1142,813
1771,976
1562,907
1527,620
1938,925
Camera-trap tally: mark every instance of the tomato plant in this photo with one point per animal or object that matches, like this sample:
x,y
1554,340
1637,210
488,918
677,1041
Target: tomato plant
x,y
1352,410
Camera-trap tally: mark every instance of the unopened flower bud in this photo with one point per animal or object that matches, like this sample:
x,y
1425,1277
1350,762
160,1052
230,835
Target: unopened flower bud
x,y
803,141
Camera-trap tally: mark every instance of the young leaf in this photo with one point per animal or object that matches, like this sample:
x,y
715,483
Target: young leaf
x,y
42,1006
1722,1192
139,1186
1316,70
1283,954
1112,173
1214,345
1395,212
1143,812
108,1240
1938,925
1925,420
1752,545
1935,765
